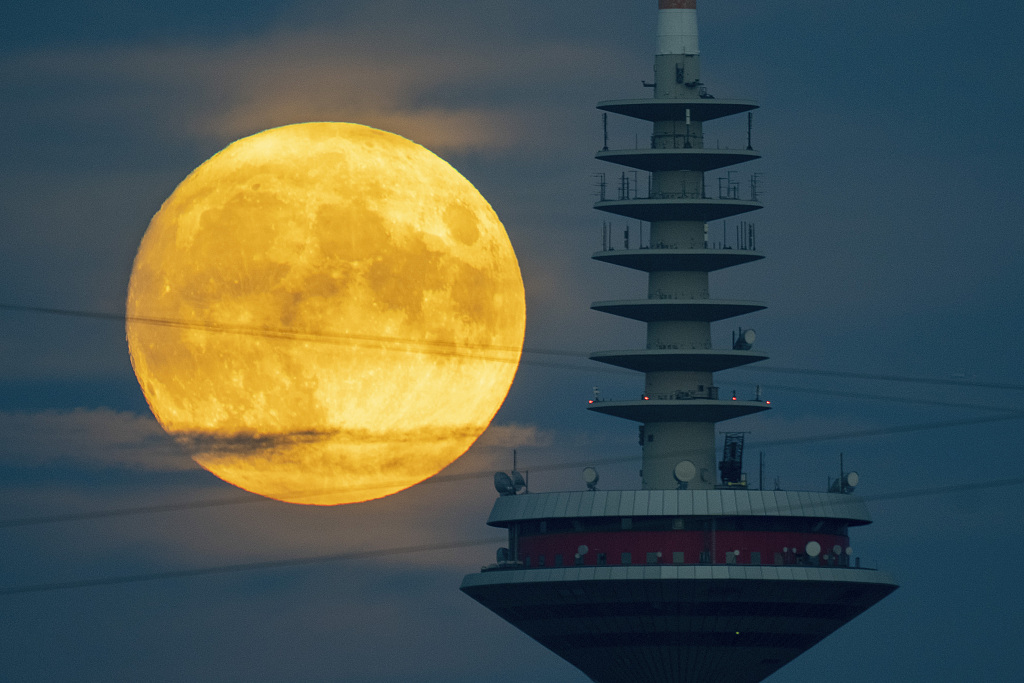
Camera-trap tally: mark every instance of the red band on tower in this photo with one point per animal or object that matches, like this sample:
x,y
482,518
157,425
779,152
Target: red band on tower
x,y
677,4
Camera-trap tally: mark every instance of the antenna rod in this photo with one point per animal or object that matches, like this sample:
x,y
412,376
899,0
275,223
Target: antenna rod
x,y
750,128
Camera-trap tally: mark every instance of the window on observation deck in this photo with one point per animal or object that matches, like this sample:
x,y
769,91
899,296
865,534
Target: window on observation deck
x,y
627,558
558,560
678,557
755,557
653,558
602,559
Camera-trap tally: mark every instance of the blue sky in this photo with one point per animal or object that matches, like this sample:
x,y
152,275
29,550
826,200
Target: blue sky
x,y
892,143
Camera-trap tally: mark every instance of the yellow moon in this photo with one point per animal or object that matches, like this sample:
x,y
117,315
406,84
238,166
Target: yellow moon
x,y
328,313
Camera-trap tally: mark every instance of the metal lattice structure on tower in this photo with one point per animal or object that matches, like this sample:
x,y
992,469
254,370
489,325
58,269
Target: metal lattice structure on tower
x,y
692,577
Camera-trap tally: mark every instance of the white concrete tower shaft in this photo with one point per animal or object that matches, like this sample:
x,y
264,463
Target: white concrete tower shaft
x,y
683,402
677,27
677,64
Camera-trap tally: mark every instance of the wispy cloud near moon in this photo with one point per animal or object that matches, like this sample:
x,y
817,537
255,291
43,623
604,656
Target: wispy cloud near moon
x,y
100,438
226,91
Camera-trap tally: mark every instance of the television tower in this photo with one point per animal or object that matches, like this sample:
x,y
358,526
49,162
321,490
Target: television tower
x,y
696,576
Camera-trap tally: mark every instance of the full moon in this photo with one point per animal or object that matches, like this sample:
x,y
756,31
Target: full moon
x,y
325,313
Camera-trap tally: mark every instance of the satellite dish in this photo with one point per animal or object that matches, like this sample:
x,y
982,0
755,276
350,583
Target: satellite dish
x,y
582,550
813,548
852,479
590,477
744,340
849,550
502,555
685,471
517,481
503,484
836,549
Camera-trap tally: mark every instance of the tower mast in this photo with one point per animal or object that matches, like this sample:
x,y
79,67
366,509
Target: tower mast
x,y
680,403
690,578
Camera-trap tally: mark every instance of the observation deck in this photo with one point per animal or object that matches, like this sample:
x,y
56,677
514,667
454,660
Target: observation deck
x,y
668,503
685,585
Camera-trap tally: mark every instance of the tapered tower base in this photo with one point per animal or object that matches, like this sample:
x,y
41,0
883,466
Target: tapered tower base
x,y
689,624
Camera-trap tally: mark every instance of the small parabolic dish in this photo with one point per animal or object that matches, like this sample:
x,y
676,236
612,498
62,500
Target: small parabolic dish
x,y
503,484
685,471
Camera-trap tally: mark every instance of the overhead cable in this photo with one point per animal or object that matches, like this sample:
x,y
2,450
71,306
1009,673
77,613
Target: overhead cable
x,y
387,552
248,499
472,349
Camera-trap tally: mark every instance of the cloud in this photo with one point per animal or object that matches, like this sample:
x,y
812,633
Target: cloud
x,y
101,438
107,438
227,525
445,100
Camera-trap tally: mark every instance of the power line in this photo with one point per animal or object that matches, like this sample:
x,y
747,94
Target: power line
x,y
889,378
940,490
242,567
248,499
427,345
465,349
854,434
386,552
396,344
894,399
